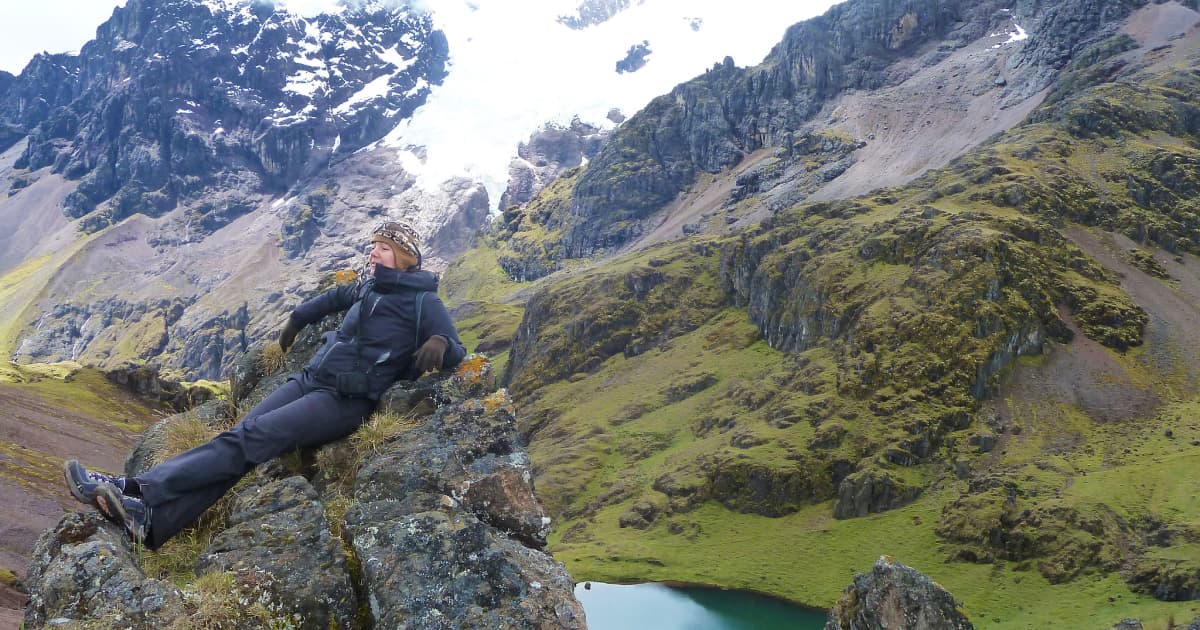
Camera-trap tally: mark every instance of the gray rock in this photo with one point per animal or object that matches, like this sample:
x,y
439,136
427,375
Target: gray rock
x,y
893,595
869,491
444,525
550,152
84,569
279,529
441,569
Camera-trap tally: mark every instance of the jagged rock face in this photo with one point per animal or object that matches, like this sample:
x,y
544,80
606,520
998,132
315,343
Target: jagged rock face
x,y
84,568
174,96
868,492
709,124
549,152
280,529
443,523
893,595
46,84
146,382
593,12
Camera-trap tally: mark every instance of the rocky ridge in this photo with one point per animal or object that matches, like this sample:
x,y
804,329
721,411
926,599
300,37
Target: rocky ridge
x,y
996,343
204,92
709,124
192,131
549,152
433,524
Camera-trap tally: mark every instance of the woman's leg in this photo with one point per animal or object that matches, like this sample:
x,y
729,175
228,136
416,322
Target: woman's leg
x,y
180,489
216,460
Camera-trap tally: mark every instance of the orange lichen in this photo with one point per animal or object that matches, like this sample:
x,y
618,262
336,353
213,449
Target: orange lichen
x,y
471,370
345,276
495,400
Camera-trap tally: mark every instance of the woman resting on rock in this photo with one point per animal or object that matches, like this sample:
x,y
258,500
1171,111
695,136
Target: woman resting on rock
x,y
396,327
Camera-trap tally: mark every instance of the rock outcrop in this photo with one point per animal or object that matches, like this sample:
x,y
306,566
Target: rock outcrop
x,y
709,124
427,521
200,94
893,595
549,152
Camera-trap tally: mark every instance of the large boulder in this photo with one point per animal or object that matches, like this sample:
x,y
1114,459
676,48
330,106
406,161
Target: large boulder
x,y
441,527
895,596
446,525
279,529
84,569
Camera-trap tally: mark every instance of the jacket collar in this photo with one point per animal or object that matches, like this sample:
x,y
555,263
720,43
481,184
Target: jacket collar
x,y
388,280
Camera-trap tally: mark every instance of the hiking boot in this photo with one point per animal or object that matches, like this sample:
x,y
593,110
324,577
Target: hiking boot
x,y
83,482
128,512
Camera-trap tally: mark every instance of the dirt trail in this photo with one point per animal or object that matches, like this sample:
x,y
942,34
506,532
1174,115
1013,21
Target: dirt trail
x,y
35,436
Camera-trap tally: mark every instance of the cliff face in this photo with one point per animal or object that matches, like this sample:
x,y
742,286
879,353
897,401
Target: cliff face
x,y
981,361
425,518
175,98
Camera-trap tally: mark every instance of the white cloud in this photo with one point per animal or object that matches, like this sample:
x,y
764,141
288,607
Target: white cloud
x,y
513,68
55,26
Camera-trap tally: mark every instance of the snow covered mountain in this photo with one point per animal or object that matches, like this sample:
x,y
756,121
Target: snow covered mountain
x,y
168,193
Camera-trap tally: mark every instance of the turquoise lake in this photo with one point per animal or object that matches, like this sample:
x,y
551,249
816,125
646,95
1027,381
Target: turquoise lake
x,y
636,606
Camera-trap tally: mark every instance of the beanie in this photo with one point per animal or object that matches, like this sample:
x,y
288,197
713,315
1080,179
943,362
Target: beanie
x,y
402,239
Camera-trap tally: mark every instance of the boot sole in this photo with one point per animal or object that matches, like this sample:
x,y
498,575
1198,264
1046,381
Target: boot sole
x,y
108,501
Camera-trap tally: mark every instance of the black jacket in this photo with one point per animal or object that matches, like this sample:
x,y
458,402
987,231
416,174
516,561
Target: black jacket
x,y
385,318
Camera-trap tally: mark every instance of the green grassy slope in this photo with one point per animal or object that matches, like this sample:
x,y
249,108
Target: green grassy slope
x,y
701,411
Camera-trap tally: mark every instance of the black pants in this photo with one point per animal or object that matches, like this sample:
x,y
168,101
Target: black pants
x,y
300,414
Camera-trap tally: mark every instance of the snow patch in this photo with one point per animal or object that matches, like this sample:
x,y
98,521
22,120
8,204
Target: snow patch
x,y
393,56
375,89
1016,35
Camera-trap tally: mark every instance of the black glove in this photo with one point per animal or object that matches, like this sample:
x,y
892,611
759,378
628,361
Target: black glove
x,y
429,355
287,336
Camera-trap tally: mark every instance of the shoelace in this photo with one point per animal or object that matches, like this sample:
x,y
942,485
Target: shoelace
x,y
119,482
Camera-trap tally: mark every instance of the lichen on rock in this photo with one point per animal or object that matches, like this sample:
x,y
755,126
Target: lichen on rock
x,y
893,595
439,527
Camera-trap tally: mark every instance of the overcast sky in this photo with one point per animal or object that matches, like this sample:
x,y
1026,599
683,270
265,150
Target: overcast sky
x,y
28,27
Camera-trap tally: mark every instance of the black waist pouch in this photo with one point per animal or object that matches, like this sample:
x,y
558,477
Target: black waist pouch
x,y
352,384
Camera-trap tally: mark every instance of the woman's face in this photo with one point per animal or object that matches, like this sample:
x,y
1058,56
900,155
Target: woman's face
x,y
381,255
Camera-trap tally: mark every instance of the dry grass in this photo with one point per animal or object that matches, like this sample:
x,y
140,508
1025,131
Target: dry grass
x,y
382,428
176,560
225,601
185,433
270,360
339,464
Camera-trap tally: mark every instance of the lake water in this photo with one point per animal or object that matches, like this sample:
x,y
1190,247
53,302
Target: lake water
x,y
637,606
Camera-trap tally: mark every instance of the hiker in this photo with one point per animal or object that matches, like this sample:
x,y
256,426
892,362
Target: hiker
x,y
395,328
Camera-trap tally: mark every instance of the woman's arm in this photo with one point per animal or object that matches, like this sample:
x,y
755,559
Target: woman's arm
x,y
336,299
435,321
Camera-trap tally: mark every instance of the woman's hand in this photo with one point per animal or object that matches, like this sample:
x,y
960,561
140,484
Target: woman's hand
x,y
287,336
429,355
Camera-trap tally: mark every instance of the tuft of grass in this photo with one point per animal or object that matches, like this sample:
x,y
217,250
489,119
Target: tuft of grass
x,y
271,359
8,578
228,601
382,428
176,560
337,504
182,434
